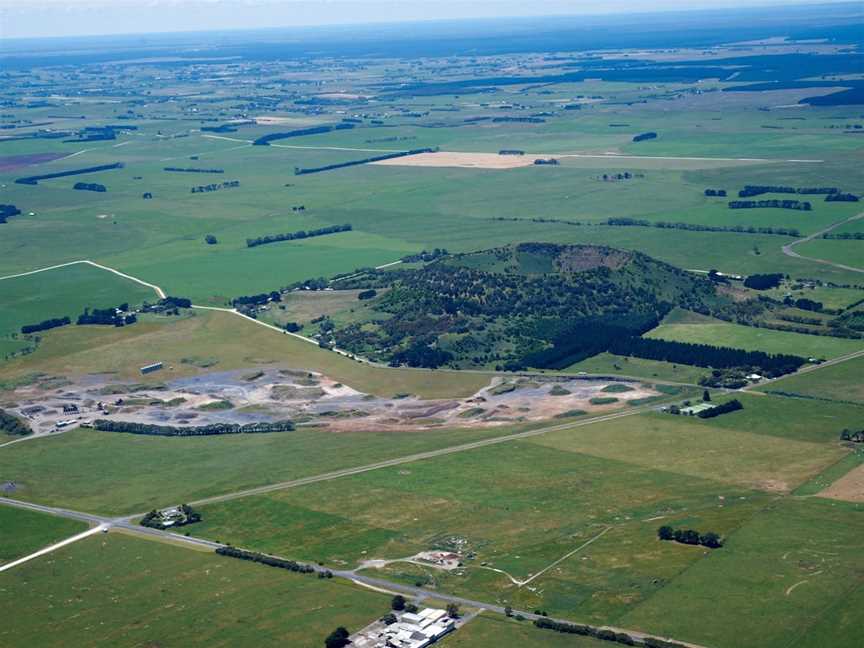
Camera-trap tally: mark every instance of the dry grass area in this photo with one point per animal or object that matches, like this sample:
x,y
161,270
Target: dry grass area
x,y
465,160
849,488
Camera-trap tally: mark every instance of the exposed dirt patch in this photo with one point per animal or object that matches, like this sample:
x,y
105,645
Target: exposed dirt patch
x,y
849,488
12,162
465,160
587,257
307,398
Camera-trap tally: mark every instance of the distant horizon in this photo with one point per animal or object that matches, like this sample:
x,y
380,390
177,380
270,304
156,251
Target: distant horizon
x,y
58,19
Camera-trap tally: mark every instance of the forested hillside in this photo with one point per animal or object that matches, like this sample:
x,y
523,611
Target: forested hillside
x,y
514,305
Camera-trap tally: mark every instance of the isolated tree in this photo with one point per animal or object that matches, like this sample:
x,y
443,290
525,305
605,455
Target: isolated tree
x,y
210,239
398,603
337,639
389,619
706,397
453,610
508,611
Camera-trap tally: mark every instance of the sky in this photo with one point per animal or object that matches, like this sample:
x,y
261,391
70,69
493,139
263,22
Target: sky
x,y
38,18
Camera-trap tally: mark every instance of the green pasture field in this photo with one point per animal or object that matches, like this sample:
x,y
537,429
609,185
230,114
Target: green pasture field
x,y
64,292
399,210
218,341
773,452
520,506
791,576
494,630
102,471
739,336
163,595
838,382
610,364
848,253
835,298
22,532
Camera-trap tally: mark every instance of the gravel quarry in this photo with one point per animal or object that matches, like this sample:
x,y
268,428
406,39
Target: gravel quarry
x,y
53,404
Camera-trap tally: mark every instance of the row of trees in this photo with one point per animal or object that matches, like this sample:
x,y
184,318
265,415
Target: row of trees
x,y
10,424
298,235
264,559
779,204
228,184
705,355
690,537
149,429
376,158
758,190
32,180
257,300
696,227
265,140
602,634
45,325
724,408
845,236
842,197
192,170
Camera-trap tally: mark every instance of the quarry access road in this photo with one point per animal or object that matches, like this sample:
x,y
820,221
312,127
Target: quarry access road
x,y
788,251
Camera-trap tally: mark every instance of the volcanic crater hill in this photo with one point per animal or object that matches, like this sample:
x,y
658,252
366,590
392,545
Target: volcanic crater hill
x,y
501,305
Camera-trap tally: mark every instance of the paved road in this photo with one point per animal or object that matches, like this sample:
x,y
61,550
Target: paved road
x,y
788,251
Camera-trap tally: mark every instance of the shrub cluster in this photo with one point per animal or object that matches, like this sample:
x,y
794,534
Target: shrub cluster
x,y
8,210
645,136
763,281
90,186
690,537
10,424
716,192
730,406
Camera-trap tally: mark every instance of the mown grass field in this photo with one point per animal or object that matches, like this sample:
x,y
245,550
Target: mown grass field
x,y
611,365
756,339
103,472
119,591
790,576
838,382
493,630
22,532
519,506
